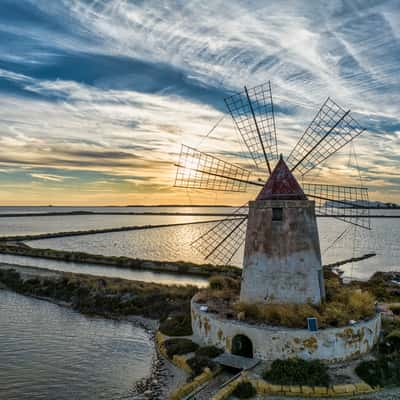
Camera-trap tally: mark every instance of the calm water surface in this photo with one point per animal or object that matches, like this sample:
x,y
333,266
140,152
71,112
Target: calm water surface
x,y
50,352
173,243
61,223
164,278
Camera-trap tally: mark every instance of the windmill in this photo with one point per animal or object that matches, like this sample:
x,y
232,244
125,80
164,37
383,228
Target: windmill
x,y
252,111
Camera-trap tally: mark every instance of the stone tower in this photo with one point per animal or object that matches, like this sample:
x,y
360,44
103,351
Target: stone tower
x,y
282,258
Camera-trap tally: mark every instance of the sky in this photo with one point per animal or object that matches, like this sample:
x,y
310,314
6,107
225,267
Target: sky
x,y
96,97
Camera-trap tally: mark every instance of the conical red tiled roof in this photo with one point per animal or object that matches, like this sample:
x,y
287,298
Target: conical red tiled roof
x,y
281,185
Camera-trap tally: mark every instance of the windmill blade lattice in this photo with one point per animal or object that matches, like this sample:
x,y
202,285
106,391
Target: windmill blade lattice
x,y
253,113
346,203
331,129
220,243
198,170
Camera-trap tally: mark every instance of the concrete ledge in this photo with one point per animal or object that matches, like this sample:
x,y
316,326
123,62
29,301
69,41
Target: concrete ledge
x,y
181,362
264,388
178,360
261,386
271,343
190,387
226,391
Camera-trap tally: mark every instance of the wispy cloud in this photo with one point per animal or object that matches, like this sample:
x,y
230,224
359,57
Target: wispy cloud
x,y
50,177
113,87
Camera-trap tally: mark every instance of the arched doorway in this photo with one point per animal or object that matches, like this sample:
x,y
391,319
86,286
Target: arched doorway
x,y
242,346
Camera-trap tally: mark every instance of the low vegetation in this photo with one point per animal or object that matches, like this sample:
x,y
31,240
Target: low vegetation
x,y
395,308
244,390
179,346
296,371
221,283
343,303
176,325
120,262
347,305
105,296
384,371
199,363
385,286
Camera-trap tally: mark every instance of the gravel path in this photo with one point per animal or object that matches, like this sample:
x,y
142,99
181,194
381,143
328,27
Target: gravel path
x,y
213,386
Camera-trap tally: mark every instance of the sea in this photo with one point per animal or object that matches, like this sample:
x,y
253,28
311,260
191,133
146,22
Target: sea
x,y
85,358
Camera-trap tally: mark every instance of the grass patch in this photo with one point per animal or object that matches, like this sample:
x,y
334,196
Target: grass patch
x,y
245,390
179,346
220,282
296,371
381,286
343,303
120,262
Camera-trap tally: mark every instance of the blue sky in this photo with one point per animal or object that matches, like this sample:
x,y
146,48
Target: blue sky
x,y
97,96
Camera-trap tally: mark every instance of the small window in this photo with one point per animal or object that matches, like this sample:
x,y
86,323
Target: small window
x,y
277,214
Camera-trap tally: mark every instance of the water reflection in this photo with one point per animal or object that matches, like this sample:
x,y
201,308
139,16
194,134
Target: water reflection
x,y
173,243
99,270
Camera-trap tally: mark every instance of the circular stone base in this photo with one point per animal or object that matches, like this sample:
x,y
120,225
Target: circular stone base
x,y
271,343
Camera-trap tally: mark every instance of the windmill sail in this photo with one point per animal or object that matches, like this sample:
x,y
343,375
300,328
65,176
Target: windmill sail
x,y
331,129
346,203
220,243
199,170
253,113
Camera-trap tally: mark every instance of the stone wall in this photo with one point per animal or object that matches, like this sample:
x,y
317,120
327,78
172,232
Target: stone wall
x,y
270,343
282,260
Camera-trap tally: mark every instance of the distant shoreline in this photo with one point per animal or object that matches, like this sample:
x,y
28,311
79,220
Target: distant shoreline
x,y
166,213
72,213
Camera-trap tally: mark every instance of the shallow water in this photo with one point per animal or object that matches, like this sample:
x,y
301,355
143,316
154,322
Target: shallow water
x,y
173,243
12,226
51,352
101,270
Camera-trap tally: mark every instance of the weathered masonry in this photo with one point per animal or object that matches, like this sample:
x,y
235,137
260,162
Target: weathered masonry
x,y
269,343
282,260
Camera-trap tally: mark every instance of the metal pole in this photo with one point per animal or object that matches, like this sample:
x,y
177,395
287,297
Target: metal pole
x,y
258,129
220,176
322,139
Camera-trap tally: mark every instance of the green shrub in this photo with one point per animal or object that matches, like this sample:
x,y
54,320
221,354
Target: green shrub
x,y
391,342
178,325
381,372
395,308
389,325
11,279
296,371
208,351
245,390
199,363
179,346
